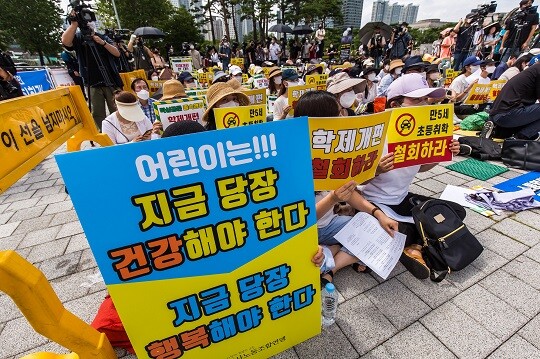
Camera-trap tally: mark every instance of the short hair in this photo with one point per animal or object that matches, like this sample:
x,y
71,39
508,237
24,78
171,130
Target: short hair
x,y
317,104
125,97
182,128
523,59
137,80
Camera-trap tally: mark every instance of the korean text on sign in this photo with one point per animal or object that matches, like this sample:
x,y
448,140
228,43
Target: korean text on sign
x,y
318,80
295,92
212,239
478,95
170,111
240,116
346,148
496,87
420,135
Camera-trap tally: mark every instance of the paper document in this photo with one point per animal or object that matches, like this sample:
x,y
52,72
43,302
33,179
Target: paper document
x,y
366,239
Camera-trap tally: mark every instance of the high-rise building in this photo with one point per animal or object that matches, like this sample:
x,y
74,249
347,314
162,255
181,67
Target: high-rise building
x,y
395,13
178,3
352,13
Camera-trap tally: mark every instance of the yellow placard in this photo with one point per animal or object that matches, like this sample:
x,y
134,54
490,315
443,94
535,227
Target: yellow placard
x,y
478,95
238,61
295,92
245,78
346,148
420,135
198,93
229,117
496,87
128,77
318,80
266,71
449,76
256,96
154,86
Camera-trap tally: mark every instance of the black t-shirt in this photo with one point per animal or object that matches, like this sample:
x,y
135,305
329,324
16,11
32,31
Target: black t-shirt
x,y
521,90
528,22
464,38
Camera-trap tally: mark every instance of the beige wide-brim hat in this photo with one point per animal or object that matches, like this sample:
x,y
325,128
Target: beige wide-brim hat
x,y
218,91
173,89
274,71
341,82
130,111
394,64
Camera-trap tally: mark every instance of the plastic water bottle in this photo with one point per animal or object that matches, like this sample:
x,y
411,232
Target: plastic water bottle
x,y
329,305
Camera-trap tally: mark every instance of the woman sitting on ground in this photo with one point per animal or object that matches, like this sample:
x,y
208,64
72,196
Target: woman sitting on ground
x,y
221,95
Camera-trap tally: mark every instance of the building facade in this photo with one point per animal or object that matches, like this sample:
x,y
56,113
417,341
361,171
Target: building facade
x,y
395,13
352,13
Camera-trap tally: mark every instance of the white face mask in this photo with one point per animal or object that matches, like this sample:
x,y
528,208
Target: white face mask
x,y
347,99
474,69
143,94
371,77
238,78
277,80
155,78
490,69
434,76
398,71
229,104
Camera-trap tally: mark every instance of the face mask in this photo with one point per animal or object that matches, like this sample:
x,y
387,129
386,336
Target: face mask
x,y
229,104
155,78
490,69
347,99
238,78
192,47
434,76
143,94
191,85
474,69
371,77
398,71
277,80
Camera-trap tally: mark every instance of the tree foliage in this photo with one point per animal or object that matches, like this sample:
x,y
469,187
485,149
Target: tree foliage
x,y
134,14
180,28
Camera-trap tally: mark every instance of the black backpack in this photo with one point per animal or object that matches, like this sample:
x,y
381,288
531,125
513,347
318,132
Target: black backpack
x,y
480,148
448,244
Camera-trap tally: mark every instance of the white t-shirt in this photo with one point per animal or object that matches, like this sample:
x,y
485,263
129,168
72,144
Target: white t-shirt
x,y
391,187
279,105
112,127
459,84
274,51
328,216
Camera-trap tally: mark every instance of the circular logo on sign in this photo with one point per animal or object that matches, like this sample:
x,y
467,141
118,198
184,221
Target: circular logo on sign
x,y
405,124
231,119
311,80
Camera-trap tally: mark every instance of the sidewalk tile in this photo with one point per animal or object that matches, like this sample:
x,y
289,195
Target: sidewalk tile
x,y
74,286
86,307
11,242
350,284
16,188
466,277
52,198
87,260
28,213
17,337
489,261
58,207
531,332
518,231
388,294
7,229
4,207
331,343
8,308
64,217
44,184
27,203
398,269
40,236
44,251
459,332
60,266
513,291
492,313
39,178
439,169
413,188
50,347
528,218
34,224
287,354
379,352
501,244
367,330
477,221
533,253
515,347
70,229
525,269
433,294
432,185
449,178
4,217
404,345
48,191
77,242
19,196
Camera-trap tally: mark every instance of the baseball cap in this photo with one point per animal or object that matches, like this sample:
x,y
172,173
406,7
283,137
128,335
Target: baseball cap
x,y
472,60
185,76
414,61
534,60
235,70
289,74
413,85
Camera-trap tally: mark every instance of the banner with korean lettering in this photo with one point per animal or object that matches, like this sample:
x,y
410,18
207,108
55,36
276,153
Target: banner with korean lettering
x,y
496,87
318,80
34,81
181,64
198,92
183,109
154,86
238,61
420,135
229,117
345,148
256,96
295,92
259,81
478,95
208,242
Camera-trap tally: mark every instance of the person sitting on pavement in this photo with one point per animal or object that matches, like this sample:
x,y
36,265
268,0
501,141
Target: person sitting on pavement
x,y
369,94
129,123
521,64
173,89
221,95
503,66
390,190
274,80
220,76
346,89
415,64
394,71
482,74
462,87
141,89
289,78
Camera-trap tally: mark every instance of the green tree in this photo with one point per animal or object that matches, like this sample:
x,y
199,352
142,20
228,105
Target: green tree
x,y
180,27
134,14
320,10
34,24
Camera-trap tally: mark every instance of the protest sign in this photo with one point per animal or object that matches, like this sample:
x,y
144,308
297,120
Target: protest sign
x,y
33,81
256,96
295,92
528,180
271,100
345,51
496,87
259,81
238,61
128,77
181,64
318,80
229,117
183,109
198,92
420,135
209,240
346,148
154,86
449,76
478,95
61,77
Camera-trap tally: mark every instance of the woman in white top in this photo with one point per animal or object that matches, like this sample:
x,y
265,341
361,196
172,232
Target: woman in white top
x,y
128,123
289,78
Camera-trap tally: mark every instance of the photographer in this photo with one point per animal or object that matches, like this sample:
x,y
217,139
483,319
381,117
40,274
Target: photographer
x,y
520,30
142,54
400,42
125,61
376,47
9,86
96,55
465,33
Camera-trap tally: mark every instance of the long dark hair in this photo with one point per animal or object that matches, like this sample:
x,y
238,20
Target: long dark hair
x,y
317,104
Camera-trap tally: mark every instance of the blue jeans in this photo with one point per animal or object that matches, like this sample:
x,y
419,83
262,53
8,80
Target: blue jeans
x,y
523,121
326,234
459,57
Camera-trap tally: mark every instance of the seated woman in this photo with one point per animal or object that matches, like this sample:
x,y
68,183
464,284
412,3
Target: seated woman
x,y
221,95
324,104
346,90
129,123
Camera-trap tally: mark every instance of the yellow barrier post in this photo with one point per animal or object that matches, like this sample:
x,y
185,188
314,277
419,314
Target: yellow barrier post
x,y
36,299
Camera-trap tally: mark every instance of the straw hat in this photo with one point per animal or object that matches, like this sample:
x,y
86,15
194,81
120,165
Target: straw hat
x,y
274,71
341,82
173,89
218,91
234,84
394,64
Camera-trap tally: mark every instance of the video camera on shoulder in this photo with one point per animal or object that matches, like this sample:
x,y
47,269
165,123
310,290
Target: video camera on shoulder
x,y
118,35
482,11
83,15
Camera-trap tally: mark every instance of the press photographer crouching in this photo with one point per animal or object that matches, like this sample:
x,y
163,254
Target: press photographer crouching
x,y
520,28
97,59
9,86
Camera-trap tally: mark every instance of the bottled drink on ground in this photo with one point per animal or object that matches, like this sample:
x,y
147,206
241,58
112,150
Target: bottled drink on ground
x,y
329,304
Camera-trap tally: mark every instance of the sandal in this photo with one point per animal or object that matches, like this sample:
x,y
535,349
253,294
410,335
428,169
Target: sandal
x,y
325,281
411,258
356,268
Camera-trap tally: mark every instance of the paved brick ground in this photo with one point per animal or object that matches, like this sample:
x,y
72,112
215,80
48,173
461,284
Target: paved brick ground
x,y
490,309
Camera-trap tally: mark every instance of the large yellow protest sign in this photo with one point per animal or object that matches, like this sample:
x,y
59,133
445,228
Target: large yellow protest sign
x,y
478,95
449,76
346,148
238,61
256,96
229,117
154,86
420,135
183,109
496,87
295,92
128,77
32,127
318,80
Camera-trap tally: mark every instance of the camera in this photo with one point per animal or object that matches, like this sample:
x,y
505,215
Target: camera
x,y
117,35
83,15
482,11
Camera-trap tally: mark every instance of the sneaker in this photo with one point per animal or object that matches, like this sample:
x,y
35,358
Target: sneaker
x,y
487,130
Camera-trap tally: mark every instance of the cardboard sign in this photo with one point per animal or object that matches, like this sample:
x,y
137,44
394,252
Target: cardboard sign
x,y
256,96
183,109
209,241
345,51
318,80
295,92
181,64
496,87
260,82
245,78
61,77
229,117
478,95
238,61
449,76
199,93
33,82
528,180
420,135
346,148
154,86
128,77
271,100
